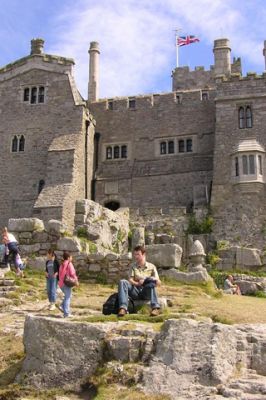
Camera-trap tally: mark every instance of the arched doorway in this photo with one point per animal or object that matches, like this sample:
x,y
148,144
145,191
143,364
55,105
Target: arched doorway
x,y
112,205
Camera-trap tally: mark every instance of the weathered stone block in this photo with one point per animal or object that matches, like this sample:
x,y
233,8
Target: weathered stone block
x,y
56,227
30,248
25,225
39,237
188,277
37,263
69,244
164,255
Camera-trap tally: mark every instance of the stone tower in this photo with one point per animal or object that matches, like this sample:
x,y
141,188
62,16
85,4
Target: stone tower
x,y
93,89
37,46
222,52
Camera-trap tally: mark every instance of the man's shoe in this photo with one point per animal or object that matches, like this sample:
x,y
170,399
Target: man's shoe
x,y
155,312
122,312
52,307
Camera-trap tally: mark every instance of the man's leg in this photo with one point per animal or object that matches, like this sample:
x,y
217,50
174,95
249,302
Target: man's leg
x,y
150,294
125,288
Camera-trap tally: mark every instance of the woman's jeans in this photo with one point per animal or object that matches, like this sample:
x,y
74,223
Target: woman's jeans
x,y
126,289
51,285
66,301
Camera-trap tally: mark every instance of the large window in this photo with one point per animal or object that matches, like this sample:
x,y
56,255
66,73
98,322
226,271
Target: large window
x,y
248,162
174,146
116,151
34,95
245,117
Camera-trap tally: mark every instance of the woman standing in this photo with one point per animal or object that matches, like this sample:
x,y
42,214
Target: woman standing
x,y
52,269
66,269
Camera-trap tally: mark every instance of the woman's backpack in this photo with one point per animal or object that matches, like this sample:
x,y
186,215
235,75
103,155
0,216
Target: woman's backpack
x,y
111,305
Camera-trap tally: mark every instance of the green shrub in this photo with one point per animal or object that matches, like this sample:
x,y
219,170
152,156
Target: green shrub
x,y
199,227
82,232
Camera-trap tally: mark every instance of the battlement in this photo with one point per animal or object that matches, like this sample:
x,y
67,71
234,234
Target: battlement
x,y
234,77
144,102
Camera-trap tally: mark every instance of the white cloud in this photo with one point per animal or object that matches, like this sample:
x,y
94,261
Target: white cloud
x,y
137,39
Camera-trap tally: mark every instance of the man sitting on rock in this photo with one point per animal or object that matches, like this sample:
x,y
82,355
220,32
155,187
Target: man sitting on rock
x,y
230,287
141,284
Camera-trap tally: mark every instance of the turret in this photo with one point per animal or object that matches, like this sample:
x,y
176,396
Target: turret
x,y
264,52
93,89
37,46
222,53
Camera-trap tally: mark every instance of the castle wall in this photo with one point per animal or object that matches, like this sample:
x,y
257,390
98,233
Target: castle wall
x,y
146,177
42,125
239,206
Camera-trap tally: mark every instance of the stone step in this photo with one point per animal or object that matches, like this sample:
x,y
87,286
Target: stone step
x,y
7,282
4,290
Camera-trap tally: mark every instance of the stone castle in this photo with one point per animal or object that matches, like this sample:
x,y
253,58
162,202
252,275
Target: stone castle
x,y
200,146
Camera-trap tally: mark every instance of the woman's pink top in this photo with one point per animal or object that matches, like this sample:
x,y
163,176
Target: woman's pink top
x,y
66,268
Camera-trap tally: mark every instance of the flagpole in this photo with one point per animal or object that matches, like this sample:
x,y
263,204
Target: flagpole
x,y
177,47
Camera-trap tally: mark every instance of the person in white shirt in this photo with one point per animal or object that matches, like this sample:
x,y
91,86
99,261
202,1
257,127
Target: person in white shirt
x,y
11,245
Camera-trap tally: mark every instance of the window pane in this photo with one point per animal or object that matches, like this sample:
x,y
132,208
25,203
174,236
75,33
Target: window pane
x,y
248,117
21,143
189,145
14,144
116,152
245,165
124,151
163,148
260,165
171,147
41,95
110,105
251,164
109,152
41,186
26,96
181,146
236,166
241,117
205,96
33,98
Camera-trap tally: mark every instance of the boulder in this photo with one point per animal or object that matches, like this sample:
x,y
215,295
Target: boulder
x,y
164,255
25,225
138,237
246,257
248,287
55,227
69,244
200,276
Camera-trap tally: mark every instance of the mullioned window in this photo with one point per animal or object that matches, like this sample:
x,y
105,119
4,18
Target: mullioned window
x,y
34,95
18,143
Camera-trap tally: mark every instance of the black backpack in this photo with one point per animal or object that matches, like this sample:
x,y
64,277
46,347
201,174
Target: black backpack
x,y
111,305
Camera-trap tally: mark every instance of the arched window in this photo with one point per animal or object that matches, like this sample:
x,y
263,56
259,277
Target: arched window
x,y
41,186
41,94
33,98
116,152
21,145
109,153
163,148
241,117
189,145
248,117
124,151
171,147
14,144
181,146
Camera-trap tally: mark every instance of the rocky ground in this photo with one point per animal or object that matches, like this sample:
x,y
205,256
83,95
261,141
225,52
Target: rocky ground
x,y
110,382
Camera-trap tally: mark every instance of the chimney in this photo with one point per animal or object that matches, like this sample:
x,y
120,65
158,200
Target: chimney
x,y
93,88
264,52
37,46
222,59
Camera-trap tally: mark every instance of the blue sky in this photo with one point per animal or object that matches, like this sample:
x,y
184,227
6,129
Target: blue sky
x,y
136,37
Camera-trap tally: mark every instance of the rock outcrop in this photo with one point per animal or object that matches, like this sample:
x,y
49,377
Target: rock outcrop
x,y
186,360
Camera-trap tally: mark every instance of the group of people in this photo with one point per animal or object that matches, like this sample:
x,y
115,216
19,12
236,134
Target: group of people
x,y
142,282
56,274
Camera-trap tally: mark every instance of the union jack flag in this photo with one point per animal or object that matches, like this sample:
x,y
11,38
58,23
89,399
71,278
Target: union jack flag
x,y
184,40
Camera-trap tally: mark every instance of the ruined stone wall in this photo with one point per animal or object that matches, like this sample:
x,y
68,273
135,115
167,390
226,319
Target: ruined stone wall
x,y
239,206
147,178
